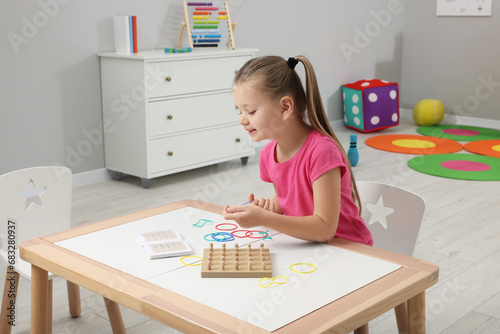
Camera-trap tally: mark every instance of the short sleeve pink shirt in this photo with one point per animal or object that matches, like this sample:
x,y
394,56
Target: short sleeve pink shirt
x,y
294,179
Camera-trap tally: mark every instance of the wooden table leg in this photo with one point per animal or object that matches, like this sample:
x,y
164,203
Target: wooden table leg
x,y
401,312
39,296
75,304
365,329
416,314
49,307
115,316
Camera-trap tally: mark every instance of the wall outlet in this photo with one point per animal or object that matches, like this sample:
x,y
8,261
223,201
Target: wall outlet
x,y
464,7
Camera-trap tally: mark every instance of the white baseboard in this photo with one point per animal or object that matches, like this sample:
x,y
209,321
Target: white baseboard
x,y
460,120
100,175
93,176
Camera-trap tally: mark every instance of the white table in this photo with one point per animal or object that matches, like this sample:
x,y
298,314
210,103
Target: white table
x,y
353,283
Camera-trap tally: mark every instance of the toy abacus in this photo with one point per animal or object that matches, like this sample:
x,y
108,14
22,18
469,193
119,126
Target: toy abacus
x,y
207,24
236,262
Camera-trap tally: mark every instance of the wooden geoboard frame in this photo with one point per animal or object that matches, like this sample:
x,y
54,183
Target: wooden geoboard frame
x,y
189,22
221,262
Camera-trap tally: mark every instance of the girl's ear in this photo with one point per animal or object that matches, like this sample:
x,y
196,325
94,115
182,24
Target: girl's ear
x,y
286,104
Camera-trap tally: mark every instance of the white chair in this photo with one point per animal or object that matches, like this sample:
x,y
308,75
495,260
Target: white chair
x,y
35,202
393,215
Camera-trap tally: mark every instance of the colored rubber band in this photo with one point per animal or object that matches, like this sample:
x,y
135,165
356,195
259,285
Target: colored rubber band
x,y
252,232
265,235
202,222
272,281
226,229
191,265
304,264
233,233
227,236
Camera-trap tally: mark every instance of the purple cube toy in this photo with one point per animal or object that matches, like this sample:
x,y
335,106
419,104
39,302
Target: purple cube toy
x,y
371,105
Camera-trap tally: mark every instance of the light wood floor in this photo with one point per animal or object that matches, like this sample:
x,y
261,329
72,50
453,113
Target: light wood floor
x,y
460,233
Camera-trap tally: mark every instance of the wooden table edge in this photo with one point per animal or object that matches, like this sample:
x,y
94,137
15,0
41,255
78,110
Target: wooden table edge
x,y
156,310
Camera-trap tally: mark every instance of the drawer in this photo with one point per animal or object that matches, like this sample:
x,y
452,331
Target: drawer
x,y
191,76
189,113
198,148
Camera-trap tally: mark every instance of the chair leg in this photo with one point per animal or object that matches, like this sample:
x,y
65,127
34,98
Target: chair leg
x,y
9,301
49,307
74,301
115,316
402,317
362,330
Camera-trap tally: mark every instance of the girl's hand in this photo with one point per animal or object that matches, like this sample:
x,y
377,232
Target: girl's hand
x,y
246,216
264,203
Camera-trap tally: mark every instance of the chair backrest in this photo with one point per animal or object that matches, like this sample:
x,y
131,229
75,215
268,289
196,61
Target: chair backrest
x,y
36,200
392,214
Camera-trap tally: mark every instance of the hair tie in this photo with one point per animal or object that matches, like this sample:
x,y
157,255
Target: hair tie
x,y
292,62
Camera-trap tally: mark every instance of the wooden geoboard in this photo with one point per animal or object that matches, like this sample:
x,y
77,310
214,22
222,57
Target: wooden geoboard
x,y
236,262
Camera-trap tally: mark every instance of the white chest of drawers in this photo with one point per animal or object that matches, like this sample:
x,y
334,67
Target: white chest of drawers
x,y
166,113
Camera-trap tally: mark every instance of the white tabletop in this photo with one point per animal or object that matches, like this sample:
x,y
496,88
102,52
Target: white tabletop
x,y
338,272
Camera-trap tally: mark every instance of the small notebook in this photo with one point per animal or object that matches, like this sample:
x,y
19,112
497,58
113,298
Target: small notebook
x,y
165,243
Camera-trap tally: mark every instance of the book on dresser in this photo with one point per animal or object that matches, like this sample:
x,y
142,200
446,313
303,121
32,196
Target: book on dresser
x,y
163,243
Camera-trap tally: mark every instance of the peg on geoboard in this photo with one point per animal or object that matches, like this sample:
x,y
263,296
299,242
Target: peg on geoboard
x,y
249,265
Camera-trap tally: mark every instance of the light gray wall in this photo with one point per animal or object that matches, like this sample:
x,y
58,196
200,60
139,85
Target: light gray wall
x,y
452,59
50,86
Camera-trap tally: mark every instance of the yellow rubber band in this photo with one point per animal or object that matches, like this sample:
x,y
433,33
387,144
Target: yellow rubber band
x,y
272,279
303,272
191,265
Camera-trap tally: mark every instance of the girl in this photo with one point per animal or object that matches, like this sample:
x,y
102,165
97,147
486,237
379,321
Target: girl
x,y
315,189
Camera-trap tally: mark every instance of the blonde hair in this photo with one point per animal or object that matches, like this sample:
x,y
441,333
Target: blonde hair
x,y
274,76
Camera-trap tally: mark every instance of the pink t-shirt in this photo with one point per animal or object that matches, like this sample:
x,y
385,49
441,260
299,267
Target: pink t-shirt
x,y
294,179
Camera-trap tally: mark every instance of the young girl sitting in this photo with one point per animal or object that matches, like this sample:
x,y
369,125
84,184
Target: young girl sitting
x,y
315,190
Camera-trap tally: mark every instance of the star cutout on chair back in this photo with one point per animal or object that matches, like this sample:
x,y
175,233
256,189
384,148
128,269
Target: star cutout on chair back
x,y
379,212
32,195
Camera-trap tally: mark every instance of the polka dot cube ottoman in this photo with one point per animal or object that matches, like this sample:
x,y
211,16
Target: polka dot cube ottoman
x,y
371,105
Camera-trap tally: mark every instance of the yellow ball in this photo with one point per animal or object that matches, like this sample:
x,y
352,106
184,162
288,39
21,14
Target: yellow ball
x,y
428,112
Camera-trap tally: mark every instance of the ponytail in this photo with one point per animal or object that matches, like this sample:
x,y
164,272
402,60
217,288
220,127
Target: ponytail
x,y
318,119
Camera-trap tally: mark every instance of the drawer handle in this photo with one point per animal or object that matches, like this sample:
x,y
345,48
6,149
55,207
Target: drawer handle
x,y
169,79
238,140
170,153
170,117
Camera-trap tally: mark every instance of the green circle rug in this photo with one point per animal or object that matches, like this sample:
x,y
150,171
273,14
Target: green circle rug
x,y
459,132
458,166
